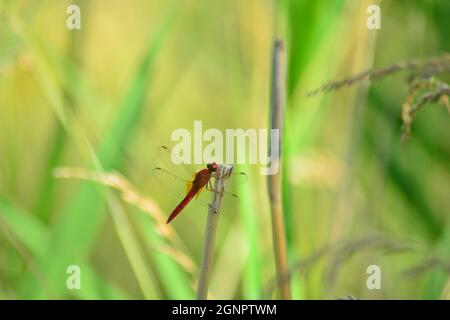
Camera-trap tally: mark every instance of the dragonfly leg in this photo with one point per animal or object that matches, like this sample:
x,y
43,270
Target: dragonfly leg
x,y
209,186
212,208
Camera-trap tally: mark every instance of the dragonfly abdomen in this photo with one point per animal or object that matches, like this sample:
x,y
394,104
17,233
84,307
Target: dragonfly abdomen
x,y
192,192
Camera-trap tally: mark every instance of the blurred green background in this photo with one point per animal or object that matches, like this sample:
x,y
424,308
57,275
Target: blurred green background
x,y
104,98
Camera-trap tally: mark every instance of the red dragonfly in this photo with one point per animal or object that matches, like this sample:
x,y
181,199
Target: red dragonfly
x,y
196,181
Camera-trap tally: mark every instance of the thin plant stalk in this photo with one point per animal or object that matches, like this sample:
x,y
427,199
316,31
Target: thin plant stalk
x,y
278,98
223,172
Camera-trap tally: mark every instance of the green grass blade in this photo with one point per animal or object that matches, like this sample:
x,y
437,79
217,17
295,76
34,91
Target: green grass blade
x,y
174,279
408,185
78,225
25,227
58,136
35,237
252,282
309,22
145,277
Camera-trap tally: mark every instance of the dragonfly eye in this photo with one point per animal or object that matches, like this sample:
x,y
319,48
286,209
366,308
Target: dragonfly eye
x,y
212,166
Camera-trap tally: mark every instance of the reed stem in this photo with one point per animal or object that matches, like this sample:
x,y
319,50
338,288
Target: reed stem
x,y
223,172
278,93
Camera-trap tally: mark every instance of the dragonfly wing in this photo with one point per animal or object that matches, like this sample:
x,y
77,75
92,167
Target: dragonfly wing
x,y
177,187
174,163
229,197
236,178
169,183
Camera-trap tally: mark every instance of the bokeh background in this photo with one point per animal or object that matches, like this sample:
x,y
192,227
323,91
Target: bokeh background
x,y
103,98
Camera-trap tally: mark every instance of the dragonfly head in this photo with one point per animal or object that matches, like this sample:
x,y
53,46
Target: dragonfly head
x,y
212,166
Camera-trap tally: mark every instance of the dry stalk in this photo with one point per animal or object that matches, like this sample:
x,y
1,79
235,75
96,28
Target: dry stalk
x,y
422,69
131,195
278,91
223,172
436,91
